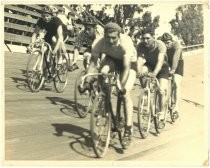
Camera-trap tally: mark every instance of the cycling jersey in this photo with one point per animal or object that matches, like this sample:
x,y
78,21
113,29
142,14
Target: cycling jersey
x,y
51,28
125,46
151,55
84,39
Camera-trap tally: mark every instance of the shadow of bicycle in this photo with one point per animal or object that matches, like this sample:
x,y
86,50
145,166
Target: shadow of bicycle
x,y
67,107
81,141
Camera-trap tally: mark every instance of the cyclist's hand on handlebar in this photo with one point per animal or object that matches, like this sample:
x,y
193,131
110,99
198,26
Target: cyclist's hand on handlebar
x,y
140,74
29,49
151,74
171,72
122,91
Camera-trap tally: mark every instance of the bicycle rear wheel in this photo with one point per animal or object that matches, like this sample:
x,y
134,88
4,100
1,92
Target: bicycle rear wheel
x,y
144,114
159,121
61,74
82,100
35,76
100,125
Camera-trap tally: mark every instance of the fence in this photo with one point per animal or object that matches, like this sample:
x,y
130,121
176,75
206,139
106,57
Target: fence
x,y
19,23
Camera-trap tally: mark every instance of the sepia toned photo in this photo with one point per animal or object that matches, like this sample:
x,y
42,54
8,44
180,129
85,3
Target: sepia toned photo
x,y
105,84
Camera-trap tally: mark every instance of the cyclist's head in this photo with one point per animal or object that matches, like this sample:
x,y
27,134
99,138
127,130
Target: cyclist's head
x,y
147,37
167,39
112,33
90,25
48,11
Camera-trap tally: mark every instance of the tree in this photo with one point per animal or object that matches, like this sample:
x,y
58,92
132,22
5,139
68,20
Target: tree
x,y
188,23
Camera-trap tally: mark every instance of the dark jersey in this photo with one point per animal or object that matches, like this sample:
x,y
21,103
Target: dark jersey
x,y
51,27
151,55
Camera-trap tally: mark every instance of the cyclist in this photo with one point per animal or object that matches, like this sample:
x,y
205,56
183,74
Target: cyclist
x,y
152,62
176,64
56,31
120,55
92,31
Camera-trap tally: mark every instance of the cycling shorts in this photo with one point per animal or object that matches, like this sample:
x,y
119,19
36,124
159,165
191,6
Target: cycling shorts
x,y
180,68
163,73
116,65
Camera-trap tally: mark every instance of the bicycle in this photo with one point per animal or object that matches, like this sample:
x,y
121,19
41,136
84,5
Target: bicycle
x,y
83,101
171,99
104,120
44,66
149,108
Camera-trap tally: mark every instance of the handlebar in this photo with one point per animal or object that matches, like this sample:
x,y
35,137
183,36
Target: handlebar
x,y
110,75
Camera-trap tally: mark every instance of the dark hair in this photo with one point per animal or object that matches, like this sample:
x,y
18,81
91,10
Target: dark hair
x,y
148,30
89,21
166,37
49,9
112,27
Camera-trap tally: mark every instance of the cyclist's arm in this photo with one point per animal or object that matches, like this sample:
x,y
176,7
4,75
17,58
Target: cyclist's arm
x,y
177,54
140,58
35,33
159,64
126,69
161,57
140,63
59,41
78,44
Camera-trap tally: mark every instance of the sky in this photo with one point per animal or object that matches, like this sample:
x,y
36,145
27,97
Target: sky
x,y
166,10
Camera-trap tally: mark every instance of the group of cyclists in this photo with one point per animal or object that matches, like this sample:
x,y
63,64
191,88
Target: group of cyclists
x,y
116,50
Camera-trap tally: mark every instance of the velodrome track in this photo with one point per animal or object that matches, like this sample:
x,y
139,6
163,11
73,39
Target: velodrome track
x,y
44,126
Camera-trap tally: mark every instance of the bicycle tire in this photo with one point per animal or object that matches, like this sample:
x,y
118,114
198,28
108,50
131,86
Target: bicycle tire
x,y
61,74
158,124
144,114
35,78
121,120
100,125
82,101
173,114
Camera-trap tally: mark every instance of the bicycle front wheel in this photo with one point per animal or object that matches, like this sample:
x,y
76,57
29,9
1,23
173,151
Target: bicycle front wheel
x,y
159,119
100,125
144,114
82,100
121,120
34,68
61,74
174,114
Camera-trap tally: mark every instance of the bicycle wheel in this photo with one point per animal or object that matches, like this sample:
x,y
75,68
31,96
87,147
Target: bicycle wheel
x,y
144,114
82,100
121,120
61,74
35,78
100,125
159,121
174,114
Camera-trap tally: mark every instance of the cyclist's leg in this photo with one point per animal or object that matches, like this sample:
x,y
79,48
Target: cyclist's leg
x,y
177,83
145,70
128,99
108,65
129,104
163,81
86,61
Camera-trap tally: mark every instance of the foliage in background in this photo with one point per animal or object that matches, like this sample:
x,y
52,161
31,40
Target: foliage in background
x,y
188,24
122,14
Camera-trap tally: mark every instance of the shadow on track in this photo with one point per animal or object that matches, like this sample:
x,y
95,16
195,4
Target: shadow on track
x,y
81,143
